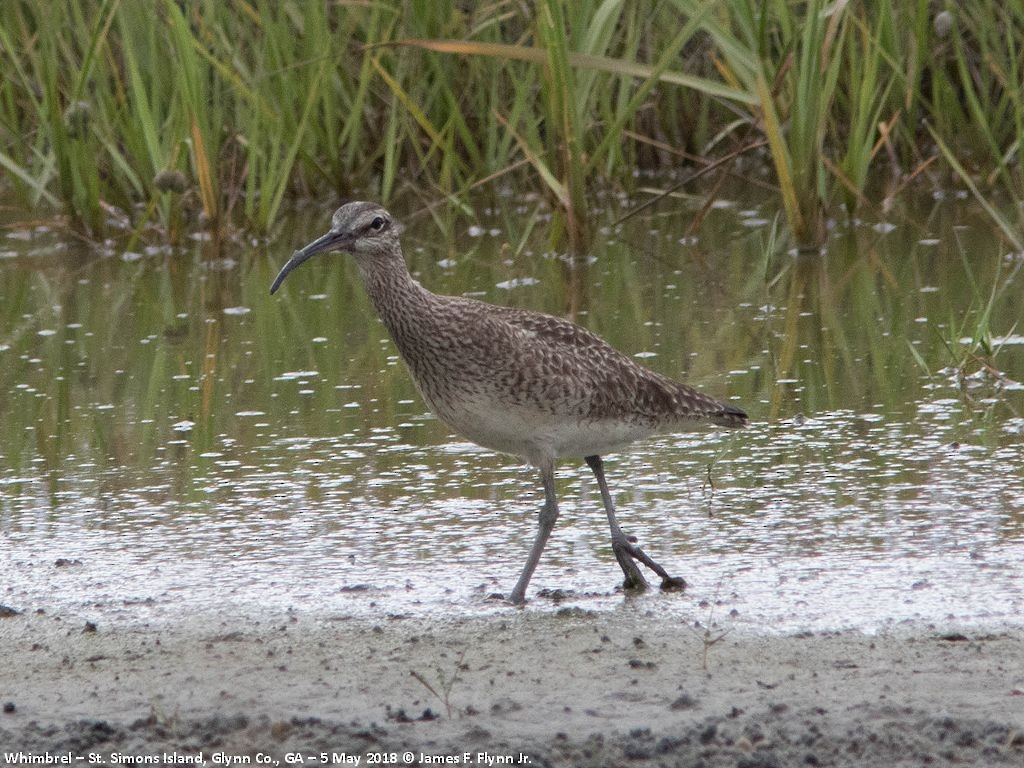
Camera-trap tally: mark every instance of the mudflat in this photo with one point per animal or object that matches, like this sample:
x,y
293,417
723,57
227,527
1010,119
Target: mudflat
x,y
542,687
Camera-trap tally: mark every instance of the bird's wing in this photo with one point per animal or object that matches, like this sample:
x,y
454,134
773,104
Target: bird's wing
x,y
603,381
554,330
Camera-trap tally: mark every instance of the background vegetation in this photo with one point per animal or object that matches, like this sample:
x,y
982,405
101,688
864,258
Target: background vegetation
x,y
147,377
169,113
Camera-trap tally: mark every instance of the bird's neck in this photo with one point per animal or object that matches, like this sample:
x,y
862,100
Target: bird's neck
x,y
401,302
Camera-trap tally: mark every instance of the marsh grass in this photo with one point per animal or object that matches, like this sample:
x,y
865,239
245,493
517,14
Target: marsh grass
x,y
255,104
971,343
445,682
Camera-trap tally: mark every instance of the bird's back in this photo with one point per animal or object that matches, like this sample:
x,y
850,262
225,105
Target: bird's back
x,y
610,384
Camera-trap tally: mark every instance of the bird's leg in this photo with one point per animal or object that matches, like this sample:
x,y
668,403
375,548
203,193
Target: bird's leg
x,y
546,522
625,550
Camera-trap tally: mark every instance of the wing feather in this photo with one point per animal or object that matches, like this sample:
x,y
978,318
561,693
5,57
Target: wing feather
x,y
559,365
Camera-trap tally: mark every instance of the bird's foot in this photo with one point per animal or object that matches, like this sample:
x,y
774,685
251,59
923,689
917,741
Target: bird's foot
x,y
673,584
498,597
629,554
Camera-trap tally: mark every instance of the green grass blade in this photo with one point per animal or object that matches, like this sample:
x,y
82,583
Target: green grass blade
x,y
1004,225
587,61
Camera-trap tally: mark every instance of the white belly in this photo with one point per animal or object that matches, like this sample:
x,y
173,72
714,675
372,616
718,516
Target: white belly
x,y
536,436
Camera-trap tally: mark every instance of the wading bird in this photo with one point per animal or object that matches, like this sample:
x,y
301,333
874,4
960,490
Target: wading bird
x,y
517,381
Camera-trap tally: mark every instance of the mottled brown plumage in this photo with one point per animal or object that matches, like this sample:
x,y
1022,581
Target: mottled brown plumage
x,y
516,381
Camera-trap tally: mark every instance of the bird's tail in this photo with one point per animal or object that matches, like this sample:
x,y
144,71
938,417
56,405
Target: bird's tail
x,y
730,416
689,404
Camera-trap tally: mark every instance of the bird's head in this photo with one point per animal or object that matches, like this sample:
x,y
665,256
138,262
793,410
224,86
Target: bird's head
x,y
365,230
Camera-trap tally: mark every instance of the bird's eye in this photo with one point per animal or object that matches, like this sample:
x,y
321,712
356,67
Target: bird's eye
x,y
377,224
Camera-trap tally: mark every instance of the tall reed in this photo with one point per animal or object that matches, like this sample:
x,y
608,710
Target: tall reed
x,y
216,113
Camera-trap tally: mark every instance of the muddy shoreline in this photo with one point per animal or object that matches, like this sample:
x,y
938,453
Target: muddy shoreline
x,y
569,687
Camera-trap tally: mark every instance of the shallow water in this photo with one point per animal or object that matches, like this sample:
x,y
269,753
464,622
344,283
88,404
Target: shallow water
x,y
191,444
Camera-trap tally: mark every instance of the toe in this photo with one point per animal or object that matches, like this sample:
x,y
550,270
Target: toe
x,y
673,584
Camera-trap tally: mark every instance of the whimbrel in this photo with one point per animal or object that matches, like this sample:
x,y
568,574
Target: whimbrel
x,y
517,381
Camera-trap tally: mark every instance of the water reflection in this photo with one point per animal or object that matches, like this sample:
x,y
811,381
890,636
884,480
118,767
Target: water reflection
x,y
191,440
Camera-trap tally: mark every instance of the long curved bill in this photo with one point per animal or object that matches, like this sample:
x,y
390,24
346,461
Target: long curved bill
x,y
329,242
